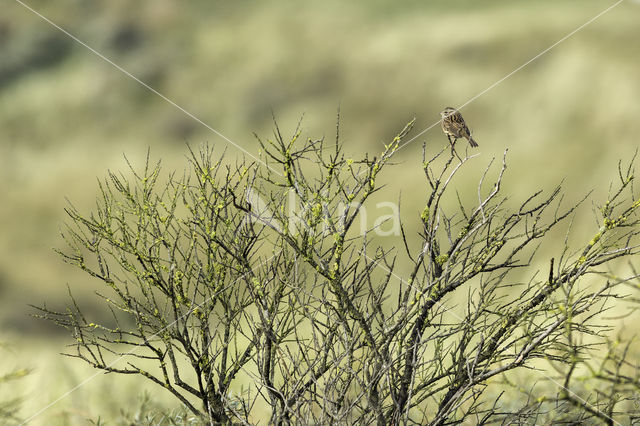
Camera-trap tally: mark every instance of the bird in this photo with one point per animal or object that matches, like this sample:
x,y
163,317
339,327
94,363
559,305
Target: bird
x,y
453,125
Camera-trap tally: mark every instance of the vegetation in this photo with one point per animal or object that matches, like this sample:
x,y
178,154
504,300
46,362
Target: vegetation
x,y
149,413
66,116
209,288
9,408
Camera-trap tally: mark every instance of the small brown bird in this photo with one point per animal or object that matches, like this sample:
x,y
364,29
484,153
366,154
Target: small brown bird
x,y
453,125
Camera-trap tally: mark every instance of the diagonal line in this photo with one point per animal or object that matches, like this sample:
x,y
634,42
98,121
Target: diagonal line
x,y
257,159
545,51
580,398
494,85
145,85
581,27
133,350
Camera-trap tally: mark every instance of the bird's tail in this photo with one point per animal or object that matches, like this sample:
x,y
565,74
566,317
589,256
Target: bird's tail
x,y
472,142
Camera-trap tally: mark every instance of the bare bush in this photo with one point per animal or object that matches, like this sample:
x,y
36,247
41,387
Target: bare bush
x,y
233,305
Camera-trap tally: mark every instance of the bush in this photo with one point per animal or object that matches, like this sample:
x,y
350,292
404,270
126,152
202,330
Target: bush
x,y
242,306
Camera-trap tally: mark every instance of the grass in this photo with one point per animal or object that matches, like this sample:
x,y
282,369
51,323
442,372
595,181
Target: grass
x,y
106,398
64,121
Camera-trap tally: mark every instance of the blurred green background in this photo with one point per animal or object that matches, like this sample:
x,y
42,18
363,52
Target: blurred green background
x,y
67,116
